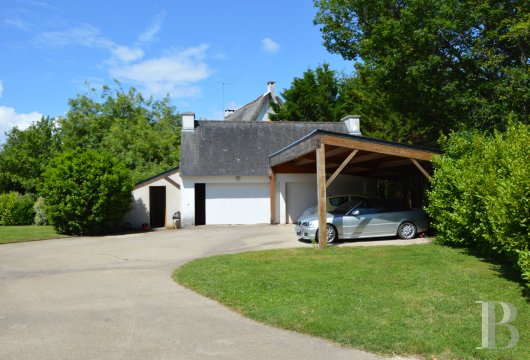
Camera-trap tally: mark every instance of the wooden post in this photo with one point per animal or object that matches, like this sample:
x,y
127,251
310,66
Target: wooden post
x,y
272,178
321,188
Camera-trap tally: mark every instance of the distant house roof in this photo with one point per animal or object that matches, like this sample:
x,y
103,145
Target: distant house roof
x,y
254,110
219,148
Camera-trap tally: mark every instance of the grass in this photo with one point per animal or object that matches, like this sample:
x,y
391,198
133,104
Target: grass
x,y
12,234
416,300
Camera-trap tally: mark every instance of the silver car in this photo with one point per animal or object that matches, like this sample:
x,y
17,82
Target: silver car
x,y
362,218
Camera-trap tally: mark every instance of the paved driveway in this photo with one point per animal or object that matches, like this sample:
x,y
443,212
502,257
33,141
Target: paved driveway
x,y
113,298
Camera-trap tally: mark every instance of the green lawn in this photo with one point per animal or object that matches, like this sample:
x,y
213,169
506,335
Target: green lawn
x,y
11,234
417,299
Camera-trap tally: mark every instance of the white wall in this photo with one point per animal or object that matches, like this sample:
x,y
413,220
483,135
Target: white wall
x,y
140,207
297,192
229,200
247,200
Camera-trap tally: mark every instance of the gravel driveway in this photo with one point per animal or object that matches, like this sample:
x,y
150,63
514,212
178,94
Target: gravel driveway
x,y
113,298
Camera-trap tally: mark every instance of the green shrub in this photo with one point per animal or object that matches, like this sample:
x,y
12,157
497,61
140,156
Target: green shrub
x,y
86,192
41,218
480,194
16,209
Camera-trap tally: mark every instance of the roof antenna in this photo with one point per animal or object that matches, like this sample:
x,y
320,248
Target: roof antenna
x,y
223,109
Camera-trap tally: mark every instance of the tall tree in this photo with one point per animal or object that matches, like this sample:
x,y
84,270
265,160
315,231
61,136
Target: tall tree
x,y
25,155
142,133
439,64
313,97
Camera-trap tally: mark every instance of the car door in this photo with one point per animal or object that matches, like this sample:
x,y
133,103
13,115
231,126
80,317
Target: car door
x,y
358,222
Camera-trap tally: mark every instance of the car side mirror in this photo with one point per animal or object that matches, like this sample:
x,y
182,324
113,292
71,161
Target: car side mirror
x,y
355,212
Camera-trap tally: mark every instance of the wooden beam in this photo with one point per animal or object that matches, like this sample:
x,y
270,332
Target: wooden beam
x,y
272,189
174,183
378,148
321,188
344,163
304,162
423,171
394,163
335,152
366,157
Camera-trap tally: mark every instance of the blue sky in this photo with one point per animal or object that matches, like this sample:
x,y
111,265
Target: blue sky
x,y
49,49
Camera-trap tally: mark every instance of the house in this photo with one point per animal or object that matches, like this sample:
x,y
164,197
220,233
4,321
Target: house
x,y
257,110
225,170
155,200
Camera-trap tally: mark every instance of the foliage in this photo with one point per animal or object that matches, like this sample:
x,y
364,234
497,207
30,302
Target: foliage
x,y
142,133
481,195
16,209
41,218
87,192
25,155
435,65
313,97
418,299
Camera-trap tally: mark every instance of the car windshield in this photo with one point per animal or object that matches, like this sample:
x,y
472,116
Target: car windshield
x,y
347,206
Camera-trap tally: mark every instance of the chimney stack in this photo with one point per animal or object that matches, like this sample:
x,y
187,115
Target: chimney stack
x,y
353,124
271,87
188,122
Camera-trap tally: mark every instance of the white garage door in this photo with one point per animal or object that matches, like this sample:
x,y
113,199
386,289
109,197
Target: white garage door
x,y
237,204
300,196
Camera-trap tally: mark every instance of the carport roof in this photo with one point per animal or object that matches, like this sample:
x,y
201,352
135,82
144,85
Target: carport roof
x,y
373,157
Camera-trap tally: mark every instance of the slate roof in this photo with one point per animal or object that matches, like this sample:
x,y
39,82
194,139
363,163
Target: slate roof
x,y
221,148
250,111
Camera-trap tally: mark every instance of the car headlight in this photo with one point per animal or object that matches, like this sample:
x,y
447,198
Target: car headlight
x,y
309,224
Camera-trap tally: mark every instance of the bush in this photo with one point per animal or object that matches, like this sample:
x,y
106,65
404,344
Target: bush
x,y
41,218
86,192
480,194
16,209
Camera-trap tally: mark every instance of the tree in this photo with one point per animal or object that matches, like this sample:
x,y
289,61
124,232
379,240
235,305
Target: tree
x,y
26,154
86,192
313,97
142,133
439,64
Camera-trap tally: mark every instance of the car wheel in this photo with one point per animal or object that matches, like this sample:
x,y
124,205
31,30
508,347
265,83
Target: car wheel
x,y
406,230
331,234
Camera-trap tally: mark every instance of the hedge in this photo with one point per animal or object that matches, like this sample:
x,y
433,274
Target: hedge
x,y
16,209
86,192
480,194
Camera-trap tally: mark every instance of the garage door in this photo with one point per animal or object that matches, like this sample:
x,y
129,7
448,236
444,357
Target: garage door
x,y
237,204
300,196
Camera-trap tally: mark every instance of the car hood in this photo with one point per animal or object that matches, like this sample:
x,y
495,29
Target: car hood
x,y
313,217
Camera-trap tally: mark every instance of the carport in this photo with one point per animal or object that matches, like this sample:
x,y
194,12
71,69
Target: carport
x,y
329,153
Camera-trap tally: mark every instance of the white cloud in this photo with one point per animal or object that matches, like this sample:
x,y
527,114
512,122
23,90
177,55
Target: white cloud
x,y
150,33
9,119
174,73
1,88
269,46
127,54
88,35
16,23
